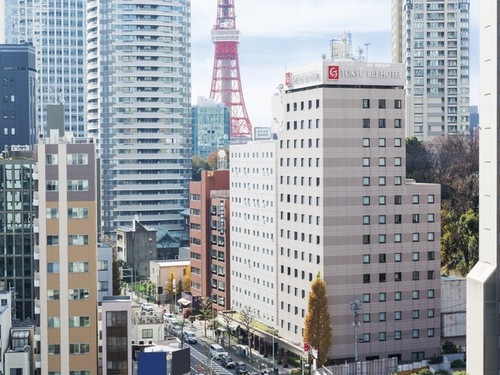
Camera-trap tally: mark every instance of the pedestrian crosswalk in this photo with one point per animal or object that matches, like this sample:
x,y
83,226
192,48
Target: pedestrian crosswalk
x,y
204,364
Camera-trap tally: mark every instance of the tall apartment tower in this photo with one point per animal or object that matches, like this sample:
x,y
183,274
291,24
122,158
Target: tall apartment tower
x,y
138,107
483,282
57,31
209,238
254,270
66,280
346,212
18,88
432,38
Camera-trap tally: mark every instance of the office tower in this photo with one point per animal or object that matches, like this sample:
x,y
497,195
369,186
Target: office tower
x,y
432,38
17,209
56,29
483,282
138,107
209,238
254,253
66,281
211,127
346,212
18,88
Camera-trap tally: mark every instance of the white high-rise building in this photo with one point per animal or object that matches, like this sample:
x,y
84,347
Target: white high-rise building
x,y
254,270
432,38
138,108
57,30
483,282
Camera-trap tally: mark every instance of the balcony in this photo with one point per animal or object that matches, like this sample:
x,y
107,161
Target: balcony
x,y
35,199
38,361
37,306
36,225
37,280
38,336
36,253
35,173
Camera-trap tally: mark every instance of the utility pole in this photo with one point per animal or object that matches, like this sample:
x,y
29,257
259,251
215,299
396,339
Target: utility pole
x,y
356,308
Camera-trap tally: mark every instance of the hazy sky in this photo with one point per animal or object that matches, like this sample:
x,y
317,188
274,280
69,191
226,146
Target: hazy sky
x,y
284,33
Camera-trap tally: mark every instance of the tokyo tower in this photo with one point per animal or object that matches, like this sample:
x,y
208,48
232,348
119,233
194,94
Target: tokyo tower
x,y
226,82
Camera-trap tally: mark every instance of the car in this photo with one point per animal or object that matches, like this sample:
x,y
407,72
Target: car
x,y
190,337
240,368
267,371
217,351
227,362
167,316
147,307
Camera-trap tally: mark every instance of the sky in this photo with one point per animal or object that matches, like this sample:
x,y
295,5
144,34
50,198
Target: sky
x,y
277,34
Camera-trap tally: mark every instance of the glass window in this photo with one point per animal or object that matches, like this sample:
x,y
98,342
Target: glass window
x,y
397,237
366,123
381,317
381,219
430,313
381,103
366,201
381,181
397,257
366,298
381,123
397,103
366,278
397,161
397,182
366,318
381,200
430,198
430,236
397,123
382,297
366,103
430,293
366,337
397,315
430,218
381,336
430,332
397,142
415,237
415,294
415,333
397,335
415,256
366,258
366,220
397,296
366,142
381,258
381,142
381,238
415,199
366,181
366,162
381,162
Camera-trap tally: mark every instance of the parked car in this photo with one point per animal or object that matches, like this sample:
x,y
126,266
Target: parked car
x,y
227,362
190,337
147,307
240,368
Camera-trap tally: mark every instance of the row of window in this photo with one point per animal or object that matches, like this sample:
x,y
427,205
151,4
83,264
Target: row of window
x,y
382,103
302,105
381,123
71,159
382,258
382,142
73,267
398,198
302,125
72,185
295,162
382,238
382,161
73,213
382,336
73,240
398,315
398,218
398,296
382,277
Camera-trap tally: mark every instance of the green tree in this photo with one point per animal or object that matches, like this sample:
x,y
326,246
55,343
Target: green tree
x,y
418,161
214,157
459,241
247,320
198,164
318,325
117,280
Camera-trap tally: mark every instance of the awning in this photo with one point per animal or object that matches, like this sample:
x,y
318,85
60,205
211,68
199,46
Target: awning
x,y
184,302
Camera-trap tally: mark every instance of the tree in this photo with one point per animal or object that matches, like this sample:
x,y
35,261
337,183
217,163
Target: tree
x,y
247,320
418,161
117,280
170,286
186,285
227,316
459,240
214,157
198,164
318,325
206,311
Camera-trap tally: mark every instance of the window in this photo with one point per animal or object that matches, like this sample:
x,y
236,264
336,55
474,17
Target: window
x,y
397,315
430,198
366,258
397,335
415,199
397,296
78,294
381,162
381,258
415,218
415,333
366,162
381,238
381,103
366,298
381,317
82,348
147,333
415,256
397,103
53,322
52,267
381,181
397,276
52,185
78,267
366,239
381,200
381,123
397,123
366,181
102,286
77,159
52,240
430,313
381,278
366,278
397,182
430,332
52,213
79,321
53,295
54,349
430,255
366,103
415,314
430,275
102,265
397,257
397,161
415,237
381,142
366,143
397,237
366,318
366,201
78,239
78,185
397,199
381,219
78,213
366,220
430,218
430,236
366,123
51,159
415,294
397,142
430,293
366,337
382,297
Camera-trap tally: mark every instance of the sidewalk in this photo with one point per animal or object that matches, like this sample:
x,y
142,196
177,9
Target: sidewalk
x,y
258,360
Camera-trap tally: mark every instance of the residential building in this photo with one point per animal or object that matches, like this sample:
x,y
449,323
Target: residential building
x,y
18,88
254,255
483,282
104,271
18,202
210,220
347,214
138,108
211,125
116,333
432,38
57,31
66,280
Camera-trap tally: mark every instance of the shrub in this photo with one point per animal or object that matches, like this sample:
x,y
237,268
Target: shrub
x,y
436,360
458,363
463,372
449,348
442,371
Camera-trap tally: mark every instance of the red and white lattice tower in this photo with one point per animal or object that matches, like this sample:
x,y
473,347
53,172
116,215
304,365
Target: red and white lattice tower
x,y
226,82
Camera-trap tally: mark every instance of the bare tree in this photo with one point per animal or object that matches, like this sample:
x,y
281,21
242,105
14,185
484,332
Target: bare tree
x,y
227,316
247,320
206,311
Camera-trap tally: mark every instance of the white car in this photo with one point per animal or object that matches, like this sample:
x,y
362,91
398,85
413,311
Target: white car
x,y
147,307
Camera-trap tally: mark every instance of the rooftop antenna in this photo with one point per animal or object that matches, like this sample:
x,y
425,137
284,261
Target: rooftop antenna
x,y
366,49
